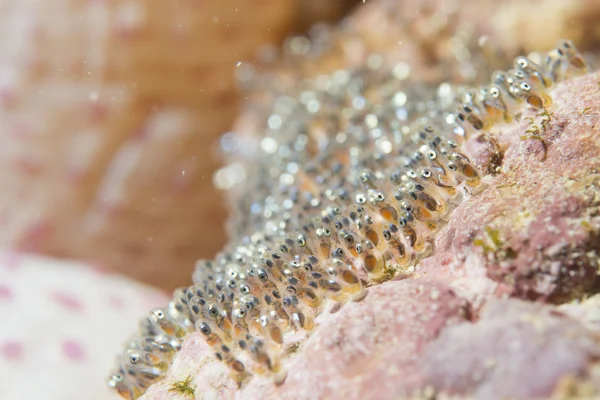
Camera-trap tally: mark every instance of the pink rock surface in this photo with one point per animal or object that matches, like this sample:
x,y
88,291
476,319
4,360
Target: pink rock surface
x,y
516,349
534,230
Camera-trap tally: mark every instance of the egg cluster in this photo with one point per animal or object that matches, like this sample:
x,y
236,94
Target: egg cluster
x,y
353,184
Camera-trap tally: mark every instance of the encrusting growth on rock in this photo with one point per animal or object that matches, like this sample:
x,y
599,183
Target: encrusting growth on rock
x,y
335,213
184,388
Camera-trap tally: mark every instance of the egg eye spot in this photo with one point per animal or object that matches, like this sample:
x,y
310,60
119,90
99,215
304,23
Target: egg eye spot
x,y
205,329
262,275
387,235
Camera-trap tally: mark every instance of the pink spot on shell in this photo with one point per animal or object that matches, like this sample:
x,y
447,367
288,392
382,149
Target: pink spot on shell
x,y
133,250
36,235
116,302
111,209
140,134
7,96
10,261
67,301
75,175
73,350
98,111
12,350
21,131
100,268
181,182
28,166
181,34
125,31
37,31
5,293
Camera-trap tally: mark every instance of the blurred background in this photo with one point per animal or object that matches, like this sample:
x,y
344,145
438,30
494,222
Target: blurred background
x,y
109,111
110,118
